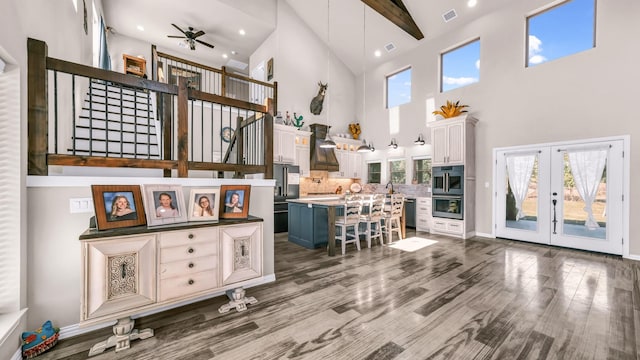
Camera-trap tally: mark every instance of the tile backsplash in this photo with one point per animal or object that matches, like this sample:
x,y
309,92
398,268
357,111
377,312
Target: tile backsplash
x,y
320,183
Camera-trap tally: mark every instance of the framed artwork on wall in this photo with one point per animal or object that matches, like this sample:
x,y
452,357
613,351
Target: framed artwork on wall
x,y
204,204
234,201
270,69
118,206
164,204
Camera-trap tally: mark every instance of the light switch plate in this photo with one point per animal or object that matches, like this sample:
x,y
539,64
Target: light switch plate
x,y
80,205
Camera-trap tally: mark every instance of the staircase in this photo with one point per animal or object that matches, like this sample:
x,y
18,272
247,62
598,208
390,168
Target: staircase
x,y
117,121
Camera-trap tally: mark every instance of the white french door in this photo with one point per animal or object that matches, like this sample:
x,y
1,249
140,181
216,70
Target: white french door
x,y
565,195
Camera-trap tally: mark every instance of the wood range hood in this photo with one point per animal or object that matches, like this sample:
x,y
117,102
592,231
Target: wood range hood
x,y
321,158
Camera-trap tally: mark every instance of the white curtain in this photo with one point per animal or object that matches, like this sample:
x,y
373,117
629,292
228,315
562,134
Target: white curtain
x,y
587,168
519,168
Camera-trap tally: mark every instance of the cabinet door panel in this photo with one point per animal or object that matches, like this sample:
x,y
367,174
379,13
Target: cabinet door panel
x,y
439,145
241,250
119,275
455,143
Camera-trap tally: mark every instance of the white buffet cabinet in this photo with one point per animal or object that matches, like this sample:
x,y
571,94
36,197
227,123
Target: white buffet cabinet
x,y
133,270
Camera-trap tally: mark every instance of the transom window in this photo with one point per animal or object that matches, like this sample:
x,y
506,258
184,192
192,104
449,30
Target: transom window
x,y
460,66
422,171
549,37
374,172
397,171
399,88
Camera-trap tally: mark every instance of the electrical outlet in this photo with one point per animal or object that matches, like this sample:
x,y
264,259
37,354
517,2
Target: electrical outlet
x,y
80,205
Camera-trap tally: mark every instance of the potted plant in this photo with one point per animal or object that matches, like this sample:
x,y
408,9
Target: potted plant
x,y
451,109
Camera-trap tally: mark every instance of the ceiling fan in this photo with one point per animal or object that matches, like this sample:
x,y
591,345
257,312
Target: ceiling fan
x,y
190,37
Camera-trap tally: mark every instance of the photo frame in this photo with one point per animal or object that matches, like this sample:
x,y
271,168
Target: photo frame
x,y
164,204
118,206
270,69
204,204
234,201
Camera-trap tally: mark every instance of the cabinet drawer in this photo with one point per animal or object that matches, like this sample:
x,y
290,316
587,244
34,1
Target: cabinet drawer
x,y
454,227
188,284
423,209
177,238
188,267
422,222
188,251
440,225
423,201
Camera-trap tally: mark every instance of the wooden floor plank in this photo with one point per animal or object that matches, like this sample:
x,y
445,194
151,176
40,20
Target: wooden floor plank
x,y
473,299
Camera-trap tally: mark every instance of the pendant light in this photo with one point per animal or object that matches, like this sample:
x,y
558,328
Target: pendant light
x,y
328,143
420,140
364,147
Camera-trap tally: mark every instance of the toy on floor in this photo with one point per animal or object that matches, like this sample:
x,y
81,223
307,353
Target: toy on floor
x,y
36,342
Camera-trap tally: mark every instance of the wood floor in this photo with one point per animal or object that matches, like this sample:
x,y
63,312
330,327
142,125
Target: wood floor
x,y
474,299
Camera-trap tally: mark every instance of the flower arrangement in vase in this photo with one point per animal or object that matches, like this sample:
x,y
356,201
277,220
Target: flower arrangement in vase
x,y
355,131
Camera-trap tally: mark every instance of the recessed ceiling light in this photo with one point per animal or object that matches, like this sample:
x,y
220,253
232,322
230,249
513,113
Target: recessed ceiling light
x,y
472,3
233,52
377,53
241,32
140,27
225,56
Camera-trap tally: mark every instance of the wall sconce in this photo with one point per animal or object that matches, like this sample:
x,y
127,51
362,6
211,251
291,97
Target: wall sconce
x,y
420,140
393,143
371,147
364,147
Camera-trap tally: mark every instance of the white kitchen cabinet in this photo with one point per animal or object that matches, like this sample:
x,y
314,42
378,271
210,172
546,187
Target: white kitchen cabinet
x,y
303,153
453,141
349,159
423,214
448,226
284,144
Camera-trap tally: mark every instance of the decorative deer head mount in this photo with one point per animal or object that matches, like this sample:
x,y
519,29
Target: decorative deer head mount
x,y
316,102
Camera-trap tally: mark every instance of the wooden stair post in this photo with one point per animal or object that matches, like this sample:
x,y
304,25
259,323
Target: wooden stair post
x,y
38,111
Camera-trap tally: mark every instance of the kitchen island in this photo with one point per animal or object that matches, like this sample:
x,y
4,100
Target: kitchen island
x,y
312,221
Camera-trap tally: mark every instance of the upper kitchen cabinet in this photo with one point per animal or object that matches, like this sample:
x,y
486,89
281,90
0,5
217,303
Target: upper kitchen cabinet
x,y
453,140
303,152
284,144
348,157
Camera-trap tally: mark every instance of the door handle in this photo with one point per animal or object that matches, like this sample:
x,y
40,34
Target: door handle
x,y
555,220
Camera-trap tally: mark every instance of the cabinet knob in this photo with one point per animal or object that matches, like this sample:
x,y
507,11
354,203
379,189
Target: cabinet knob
x,y
191,250
191,265
190,236
191,282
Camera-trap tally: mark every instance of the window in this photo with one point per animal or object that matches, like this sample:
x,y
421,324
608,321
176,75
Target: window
x,y
460,66
549,37
399,88
397,173
373,172
422,171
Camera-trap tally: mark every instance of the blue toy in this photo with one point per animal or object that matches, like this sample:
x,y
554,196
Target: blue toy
x,y
36,342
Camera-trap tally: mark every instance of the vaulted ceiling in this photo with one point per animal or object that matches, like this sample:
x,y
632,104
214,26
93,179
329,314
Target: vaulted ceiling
x,y
345,24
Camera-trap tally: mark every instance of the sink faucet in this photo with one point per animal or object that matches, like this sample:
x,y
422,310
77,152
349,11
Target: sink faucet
x,y
386,187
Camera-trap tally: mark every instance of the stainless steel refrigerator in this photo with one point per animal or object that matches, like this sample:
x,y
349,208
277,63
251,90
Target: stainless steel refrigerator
x,y
287,187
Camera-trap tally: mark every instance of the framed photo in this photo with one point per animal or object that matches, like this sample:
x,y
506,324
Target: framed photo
x,y
269,69
118,206
234,201
164,204
204,204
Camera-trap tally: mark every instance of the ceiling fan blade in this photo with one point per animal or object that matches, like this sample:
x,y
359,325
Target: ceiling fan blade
x,y
177,27
204,43
199,33
176,36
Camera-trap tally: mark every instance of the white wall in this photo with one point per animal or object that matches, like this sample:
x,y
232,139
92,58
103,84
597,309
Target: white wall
x,y
300,60
587,95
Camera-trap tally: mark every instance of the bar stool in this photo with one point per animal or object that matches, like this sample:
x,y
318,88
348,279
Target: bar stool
x,y
349,219
373,219
392,218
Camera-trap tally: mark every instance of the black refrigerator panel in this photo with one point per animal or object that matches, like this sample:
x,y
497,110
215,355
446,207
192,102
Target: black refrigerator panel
x,y
287,182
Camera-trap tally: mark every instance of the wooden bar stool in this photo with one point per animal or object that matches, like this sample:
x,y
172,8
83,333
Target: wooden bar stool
x,y
349,219
373,219
392,218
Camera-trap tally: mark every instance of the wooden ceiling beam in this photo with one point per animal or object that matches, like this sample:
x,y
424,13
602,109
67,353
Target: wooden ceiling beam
x,y
397,13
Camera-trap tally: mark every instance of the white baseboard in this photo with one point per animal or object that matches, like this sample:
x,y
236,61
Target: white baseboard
x,y
490,236
17,355
75,329
632,257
